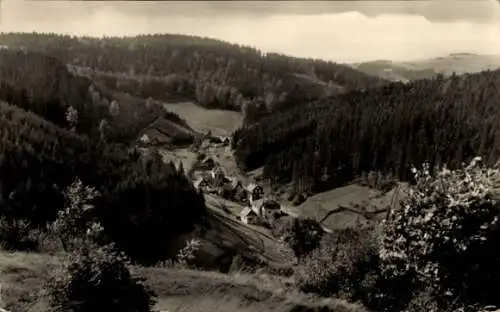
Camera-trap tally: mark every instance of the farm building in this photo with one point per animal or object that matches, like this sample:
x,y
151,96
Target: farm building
x,y
164,132
255,192
248,216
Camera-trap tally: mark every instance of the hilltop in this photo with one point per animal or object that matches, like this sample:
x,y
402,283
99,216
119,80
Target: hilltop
x,y
458,63
210,72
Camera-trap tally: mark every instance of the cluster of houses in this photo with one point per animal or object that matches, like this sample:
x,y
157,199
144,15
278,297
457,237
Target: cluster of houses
x,y
259,210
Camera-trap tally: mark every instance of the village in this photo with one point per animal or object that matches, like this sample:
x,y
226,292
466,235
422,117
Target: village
x,y
259,209
210,175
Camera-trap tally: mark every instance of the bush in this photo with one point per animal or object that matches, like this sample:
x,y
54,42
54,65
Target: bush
x,y
346,265
75,223
98,279
445,235
340,263
16,235
303,236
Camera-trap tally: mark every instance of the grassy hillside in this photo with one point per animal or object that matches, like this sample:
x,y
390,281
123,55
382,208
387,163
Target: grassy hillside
x,y
23,274
458,63
211,72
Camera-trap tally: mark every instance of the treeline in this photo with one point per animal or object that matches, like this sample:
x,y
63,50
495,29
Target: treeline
x,y
386,129
212,72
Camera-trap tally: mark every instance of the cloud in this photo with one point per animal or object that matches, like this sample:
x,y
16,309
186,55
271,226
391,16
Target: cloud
x,y
347,36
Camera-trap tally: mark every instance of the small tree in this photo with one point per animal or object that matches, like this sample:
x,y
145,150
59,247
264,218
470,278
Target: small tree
x,y
75,220
187,253
98,280
446,234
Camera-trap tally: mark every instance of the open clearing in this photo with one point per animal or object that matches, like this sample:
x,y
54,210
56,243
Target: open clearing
x,y
23,274
324,206
220,122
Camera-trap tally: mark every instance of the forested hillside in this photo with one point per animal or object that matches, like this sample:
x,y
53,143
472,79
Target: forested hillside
x,y
212,72
142,200
43,85
386,129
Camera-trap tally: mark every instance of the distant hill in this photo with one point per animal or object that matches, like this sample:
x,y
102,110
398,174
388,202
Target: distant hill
x,y
460,63
211,72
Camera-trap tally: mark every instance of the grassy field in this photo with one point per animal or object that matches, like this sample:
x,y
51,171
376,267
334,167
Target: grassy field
x,y
220,122
22,276
324,206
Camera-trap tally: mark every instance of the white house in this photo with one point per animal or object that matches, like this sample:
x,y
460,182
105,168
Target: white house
x,y
145,139
248,216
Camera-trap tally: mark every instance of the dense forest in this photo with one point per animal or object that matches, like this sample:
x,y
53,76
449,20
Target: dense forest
x,y
211,72
43,85
386,130
58,127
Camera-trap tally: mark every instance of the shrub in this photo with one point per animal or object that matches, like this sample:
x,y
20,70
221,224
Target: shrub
x,y
17,235
346,265
340,263
303,236
75,223
98,279
445,235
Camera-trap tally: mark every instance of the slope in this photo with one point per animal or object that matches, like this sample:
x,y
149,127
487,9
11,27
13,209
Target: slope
x,y
328,143
23,274
38,160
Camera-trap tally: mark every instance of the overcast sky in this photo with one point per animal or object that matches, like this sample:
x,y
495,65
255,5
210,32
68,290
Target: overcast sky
x,y
344,31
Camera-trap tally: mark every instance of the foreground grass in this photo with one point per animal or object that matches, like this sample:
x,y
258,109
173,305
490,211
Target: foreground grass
x,y
22,276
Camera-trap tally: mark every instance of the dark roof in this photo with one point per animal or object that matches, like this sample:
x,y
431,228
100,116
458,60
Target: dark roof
x,y
247,211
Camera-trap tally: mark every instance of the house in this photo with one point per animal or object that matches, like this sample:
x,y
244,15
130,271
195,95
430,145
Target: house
x,y
270,207
145,139
248,216
255,192
225,140
219,176
257,206
238,190
202,184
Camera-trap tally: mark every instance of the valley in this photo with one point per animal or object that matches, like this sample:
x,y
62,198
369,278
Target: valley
x,y
228,179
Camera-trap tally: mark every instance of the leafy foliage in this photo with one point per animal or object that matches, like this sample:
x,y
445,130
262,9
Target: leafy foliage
x,y
446,234
98,280
75,220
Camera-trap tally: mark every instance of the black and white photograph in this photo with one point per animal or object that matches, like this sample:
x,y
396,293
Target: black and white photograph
x,y
250,156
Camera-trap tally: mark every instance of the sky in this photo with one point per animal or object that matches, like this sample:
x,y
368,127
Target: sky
x,y
342,31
